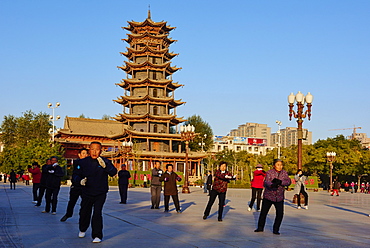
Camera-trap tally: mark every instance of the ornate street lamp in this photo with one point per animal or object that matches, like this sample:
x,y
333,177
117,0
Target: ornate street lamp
x,y
331,158
300,115
126,148
187,134
53,131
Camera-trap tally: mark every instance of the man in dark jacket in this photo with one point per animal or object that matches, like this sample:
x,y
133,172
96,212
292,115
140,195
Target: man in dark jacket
x,y
12,179
53,185
123,176
44,175
93,175
76,189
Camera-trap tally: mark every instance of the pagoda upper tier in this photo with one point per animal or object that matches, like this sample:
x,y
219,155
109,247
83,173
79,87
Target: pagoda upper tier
x,y
164,83
149,51
149,26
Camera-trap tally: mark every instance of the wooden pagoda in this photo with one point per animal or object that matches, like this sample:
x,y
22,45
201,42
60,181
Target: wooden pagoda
x,y
149,104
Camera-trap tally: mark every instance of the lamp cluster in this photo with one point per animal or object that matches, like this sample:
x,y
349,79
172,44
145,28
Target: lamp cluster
x,y
300,99
331,156
187,132
53,131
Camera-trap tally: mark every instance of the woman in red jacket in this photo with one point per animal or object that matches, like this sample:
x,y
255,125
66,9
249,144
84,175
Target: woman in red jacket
x,y
257,186
36,177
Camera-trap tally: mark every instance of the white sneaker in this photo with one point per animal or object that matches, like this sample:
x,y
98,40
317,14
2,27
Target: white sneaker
x,y
34,202
54,213
249,209
81,234
96,240
299,207
306,207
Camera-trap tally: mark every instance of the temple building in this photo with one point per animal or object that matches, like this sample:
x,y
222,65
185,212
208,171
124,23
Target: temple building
x,y
149,121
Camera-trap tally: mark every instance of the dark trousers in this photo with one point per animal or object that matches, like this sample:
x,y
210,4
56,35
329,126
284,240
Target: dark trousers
x,y
221,202
35,188
266,205
123,192
74,193
175,199
155,191
304,193
51,198
256,192
41,194
87,205
12,185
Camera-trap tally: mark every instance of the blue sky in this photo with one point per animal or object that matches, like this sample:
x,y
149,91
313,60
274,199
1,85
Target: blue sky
x,y
240,59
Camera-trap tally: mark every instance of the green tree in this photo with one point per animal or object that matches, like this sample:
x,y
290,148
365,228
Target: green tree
x,y
106,117
26,140
204,133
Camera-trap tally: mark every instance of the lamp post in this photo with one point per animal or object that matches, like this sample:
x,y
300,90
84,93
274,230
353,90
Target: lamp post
x,y
52,118
126,147
187,134
279,137
300,115
331,158
202,144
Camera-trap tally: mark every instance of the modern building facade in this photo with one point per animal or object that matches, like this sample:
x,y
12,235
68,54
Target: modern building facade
x,y
253,130
289,136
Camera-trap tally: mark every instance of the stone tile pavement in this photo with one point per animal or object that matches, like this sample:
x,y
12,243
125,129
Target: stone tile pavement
x,y
330,221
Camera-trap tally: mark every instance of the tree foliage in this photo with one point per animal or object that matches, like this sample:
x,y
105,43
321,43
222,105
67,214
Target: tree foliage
x,y
204,133
26,140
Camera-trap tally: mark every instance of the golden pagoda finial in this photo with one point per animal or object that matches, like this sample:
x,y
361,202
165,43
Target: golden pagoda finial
x,y
149,17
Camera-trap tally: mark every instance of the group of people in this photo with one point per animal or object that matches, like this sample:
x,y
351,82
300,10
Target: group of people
x,y
89,181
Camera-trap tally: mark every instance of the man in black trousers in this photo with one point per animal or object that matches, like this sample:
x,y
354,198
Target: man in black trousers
x,y
93,175
76,189
44,176
53,185
123,176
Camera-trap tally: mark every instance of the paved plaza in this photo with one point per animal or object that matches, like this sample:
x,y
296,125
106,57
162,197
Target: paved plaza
x,y
330,221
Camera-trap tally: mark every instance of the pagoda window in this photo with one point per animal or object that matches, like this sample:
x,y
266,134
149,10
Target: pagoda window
x,y
155,128
155,110
155,93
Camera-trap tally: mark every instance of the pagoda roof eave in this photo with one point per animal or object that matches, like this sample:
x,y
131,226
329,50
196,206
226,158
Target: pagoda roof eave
x,y
150,22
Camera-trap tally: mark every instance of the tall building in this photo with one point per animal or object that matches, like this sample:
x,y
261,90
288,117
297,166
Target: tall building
x,y
289,136
253,130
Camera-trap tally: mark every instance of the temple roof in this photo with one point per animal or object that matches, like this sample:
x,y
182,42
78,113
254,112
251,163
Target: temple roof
x,y
124,116
92,127
147,50
126,83
132,36
149,65
170,100
149,22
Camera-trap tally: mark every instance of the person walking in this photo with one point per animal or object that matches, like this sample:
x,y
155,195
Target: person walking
x,y
12,179
76,189
53,186
44,176
336,187
257,187
221,178
156,185
275,182
170,188
93,176
300,188
36,177
123,181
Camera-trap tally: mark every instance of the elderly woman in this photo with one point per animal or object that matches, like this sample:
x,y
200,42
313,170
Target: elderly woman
x,y
300,188
275,182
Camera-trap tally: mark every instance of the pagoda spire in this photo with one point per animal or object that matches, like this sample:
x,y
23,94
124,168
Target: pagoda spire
x,y
149,15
